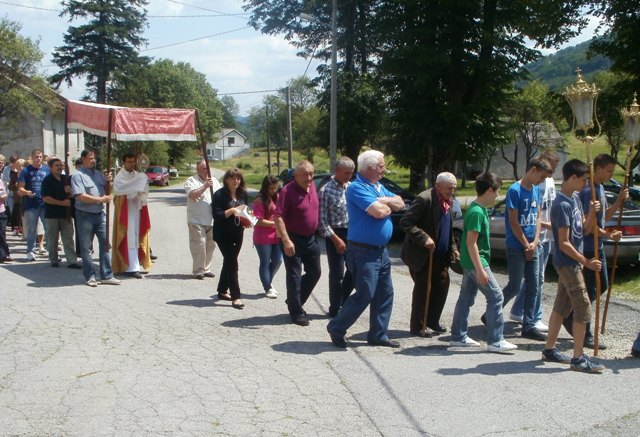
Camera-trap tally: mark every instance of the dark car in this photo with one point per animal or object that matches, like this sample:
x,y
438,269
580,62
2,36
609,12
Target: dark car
x,y
615,187
157,175
319,179
628,247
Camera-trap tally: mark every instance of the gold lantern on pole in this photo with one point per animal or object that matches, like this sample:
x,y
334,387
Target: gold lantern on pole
x,y
582,98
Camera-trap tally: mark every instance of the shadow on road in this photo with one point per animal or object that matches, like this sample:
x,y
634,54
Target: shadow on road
x,y
306,347
42,275
196,303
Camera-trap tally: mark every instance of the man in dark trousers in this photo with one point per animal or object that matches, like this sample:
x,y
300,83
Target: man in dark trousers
x,y
296,218
56,194
428,226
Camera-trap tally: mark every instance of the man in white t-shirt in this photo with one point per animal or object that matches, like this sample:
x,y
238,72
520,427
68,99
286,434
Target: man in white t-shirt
x,y
547,194
199,188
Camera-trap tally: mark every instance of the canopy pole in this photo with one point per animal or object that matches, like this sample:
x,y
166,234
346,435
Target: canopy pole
x,y
107,185
203,145
66,154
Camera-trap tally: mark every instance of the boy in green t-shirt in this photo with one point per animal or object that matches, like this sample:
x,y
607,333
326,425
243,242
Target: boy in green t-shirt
x,y
475,256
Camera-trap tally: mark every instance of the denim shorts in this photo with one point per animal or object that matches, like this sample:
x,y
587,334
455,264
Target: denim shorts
x,y
572,294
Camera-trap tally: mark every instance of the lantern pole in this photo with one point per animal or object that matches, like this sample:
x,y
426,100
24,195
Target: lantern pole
x,y
582,99
631,119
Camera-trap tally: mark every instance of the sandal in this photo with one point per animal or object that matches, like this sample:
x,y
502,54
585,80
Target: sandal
x,y
224,296
237,305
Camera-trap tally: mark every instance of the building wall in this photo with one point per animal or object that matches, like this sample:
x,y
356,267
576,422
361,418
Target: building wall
x,y
46,133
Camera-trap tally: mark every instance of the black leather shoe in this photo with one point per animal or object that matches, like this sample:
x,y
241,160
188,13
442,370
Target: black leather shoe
x,y
55,264
634,353
589,342
423,334
438,328
301,321
136,275
483,319
209,275
385,343
337,340
534,334
74,266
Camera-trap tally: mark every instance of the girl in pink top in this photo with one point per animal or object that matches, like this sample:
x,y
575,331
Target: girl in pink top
x,y
265,240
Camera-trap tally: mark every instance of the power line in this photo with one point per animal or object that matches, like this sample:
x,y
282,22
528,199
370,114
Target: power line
x,y
195,39
206,9
29,7
215,14
248,92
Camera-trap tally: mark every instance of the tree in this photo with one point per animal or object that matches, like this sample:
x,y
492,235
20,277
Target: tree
x,y
230,111
167,84
106,45
357,45
22,90
620,43
448,65
534,119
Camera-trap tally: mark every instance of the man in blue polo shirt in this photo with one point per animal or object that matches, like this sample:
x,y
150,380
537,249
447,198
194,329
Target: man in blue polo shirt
x,y
369,205
29,188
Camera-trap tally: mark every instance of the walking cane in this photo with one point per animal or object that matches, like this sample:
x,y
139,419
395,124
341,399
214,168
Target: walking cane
x,y
426,302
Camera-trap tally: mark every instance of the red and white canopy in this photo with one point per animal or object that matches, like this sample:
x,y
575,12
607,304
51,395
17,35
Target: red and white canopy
x,y
132,124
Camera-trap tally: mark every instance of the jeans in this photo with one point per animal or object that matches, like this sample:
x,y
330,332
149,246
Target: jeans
x,y
340,282
519,268
270,260
518,305
90,225
468,292
371,270
636,344
31,224
299,286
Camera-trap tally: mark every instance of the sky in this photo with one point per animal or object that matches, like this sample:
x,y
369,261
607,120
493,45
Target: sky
x,y
235,58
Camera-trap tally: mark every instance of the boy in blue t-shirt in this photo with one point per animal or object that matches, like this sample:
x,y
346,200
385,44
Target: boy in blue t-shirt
x,y
604,166
522,226
568,223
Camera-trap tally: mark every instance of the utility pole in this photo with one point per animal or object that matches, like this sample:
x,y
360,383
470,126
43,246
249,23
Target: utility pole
x,y
268,143
290,128
333,115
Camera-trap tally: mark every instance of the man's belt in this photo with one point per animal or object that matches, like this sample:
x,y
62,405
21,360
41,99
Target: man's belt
x,y
365,245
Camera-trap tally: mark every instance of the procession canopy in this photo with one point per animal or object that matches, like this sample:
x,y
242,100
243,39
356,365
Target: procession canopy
x,y
132,124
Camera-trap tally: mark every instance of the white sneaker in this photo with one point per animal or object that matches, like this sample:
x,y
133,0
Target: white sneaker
x,y
541,326
272,293
111,281
466,342
42,252
501,347
31,256
92,282
514,318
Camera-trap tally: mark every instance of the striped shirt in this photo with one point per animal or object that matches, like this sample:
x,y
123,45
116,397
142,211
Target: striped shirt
x,y
333,208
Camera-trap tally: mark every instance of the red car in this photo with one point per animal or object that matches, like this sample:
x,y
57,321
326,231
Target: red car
x,y
158,176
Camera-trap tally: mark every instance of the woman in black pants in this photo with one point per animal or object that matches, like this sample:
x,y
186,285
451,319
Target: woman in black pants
x,y
228,231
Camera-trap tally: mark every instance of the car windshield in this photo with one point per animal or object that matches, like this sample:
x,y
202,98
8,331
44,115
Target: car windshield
x,y
154,170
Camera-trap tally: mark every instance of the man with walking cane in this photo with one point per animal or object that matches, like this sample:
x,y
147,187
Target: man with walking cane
x,y
428,241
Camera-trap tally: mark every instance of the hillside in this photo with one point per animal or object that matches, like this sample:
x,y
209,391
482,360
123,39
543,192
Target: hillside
x,y
559,69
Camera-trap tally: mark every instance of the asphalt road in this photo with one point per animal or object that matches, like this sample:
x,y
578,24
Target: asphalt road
x,y
162,356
